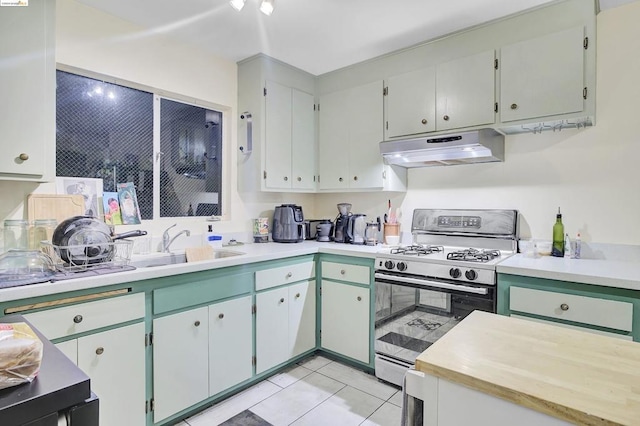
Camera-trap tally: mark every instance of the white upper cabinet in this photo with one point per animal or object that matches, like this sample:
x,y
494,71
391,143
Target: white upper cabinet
x,y
350,131
27,85
289,138
303,141
411,103
543,76
465,90
278,136
278,151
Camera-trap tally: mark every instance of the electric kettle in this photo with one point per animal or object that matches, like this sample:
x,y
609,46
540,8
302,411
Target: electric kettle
x,y
356,228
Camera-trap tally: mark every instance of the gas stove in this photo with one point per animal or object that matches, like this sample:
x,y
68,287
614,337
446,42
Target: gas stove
x,y
456,245
424,289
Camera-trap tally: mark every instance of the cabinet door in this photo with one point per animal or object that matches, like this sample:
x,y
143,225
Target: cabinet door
x,y
465,90
345,320
272,331
365,112
334,139
278,136
230,343
303,146
180,361
543,76
115,362
70,349
27,85
411,103
302,318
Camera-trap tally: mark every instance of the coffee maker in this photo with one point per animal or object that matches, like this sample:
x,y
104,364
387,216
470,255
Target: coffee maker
x,y
342,223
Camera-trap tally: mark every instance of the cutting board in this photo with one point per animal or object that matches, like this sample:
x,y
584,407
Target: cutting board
x,y
195,254
54,206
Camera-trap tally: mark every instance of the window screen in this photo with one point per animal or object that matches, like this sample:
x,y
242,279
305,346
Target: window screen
x,y
105,131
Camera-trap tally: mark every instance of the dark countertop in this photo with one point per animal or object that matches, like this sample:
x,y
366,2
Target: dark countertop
x,y
60,384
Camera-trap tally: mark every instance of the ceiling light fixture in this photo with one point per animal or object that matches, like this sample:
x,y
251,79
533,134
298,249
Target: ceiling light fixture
x,y
266,7
237,4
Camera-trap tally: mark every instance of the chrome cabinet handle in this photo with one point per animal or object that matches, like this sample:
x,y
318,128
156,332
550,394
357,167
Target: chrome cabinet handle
x,y
564,307
100,351
77,319
445,118
299,179
220,316
355,178
340,180
23,156
197,323
282,300
297,295
514,106
359,298
289,275
286,178
342,272
424,121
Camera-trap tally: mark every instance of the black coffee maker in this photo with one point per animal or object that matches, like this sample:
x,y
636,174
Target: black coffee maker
x,y
342,223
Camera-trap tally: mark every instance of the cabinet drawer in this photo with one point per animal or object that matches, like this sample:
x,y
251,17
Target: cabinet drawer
x,y
68,320
346,272
569,307
273,277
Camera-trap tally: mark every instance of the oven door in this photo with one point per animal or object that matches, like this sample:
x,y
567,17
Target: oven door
x,y
413,312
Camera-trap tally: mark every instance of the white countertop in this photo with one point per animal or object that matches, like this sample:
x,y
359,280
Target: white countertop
x,y
253,253
603,272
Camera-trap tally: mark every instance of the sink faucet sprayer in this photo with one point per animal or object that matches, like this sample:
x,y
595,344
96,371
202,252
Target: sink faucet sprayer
x,y
166,241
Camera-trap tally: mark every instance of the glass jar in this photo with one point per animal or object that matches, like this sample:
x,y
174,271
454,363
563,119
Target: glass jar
x,y
16,234
42,230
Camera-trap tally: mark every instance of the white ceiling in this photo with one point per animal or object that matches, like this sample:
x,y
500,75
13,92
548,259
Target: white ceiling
x,y
314,35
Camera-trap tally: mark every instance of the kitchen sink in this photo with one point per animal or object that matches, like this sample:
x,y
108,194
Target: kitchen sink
x,y
163,259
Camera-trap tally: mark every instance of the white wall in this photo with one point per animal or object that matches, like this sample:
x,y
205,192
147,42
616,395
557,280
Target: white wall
x,y
592,174
91,40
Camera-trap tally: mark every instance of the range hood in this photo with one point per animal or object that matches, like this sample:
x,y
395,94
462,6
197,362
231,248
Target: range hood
x,y
479,146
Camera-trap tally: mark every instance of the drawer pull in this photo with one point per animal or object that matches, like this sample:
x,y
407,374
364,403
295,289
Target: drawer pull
x,y
220,316
282,300
100,351
297,295
342,272
197,323
24,156
289,274
564,307
77,319
359,299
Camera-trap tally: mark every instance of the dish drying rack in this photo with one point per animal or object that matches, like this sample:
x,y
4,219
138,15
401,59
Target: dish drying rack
x,y
119,255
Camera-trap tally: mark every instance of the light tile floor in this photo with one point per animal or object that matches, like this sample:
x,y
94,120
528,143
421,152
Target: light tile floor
x,y
316,391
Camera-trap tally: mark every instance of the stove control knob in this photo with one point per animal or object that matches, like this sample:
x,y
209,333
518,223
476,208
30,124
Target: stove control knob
x,y
454,272
389,264
401,266
471,275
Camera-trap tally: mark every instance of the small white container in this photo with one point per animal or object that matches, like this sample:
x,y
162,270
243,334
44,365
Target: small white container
x,y
214,240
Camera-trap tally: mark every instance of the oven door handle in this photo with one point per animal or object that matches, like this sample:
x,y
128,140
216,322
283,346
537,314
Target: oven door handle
x,y
430,283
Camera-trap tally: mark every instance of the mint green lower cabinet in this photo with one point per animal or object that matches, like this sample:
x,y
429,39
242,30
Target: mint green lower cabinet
x,y
285,324
346,320
602,310
230,344
115,362
180,361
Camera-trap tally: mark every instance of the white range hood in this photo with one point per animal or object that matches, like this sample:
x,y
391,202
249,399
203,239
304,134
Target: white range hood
x,y
480,146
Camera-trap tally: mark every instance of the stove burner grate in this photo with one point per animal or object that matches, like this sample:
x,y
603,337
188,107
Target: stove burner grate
x,y
417,250
474,255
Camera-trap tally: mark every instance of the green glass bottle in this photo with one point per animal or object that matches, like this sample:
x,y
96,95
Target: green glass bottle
x,y
557,248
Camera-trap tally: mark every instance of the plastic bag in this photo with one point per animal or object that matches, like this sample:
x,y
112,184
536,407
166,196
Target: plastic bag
x,y
20,354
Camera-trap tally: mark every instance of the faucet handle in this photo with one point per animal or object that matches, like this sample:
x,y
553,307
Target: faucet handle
x,y
166,231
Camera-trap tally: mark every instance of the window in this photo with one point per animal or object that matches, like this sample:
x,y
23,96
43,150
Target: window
x,y
106,131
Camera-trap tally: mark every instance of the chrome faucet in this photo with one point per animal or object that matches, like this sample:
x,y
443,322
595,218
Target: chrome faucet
x,y
166,241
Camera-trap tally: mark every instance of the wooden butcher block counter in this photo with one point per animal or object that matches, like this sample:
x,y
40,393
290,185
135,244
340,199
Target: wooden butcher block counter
x,y
576,376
